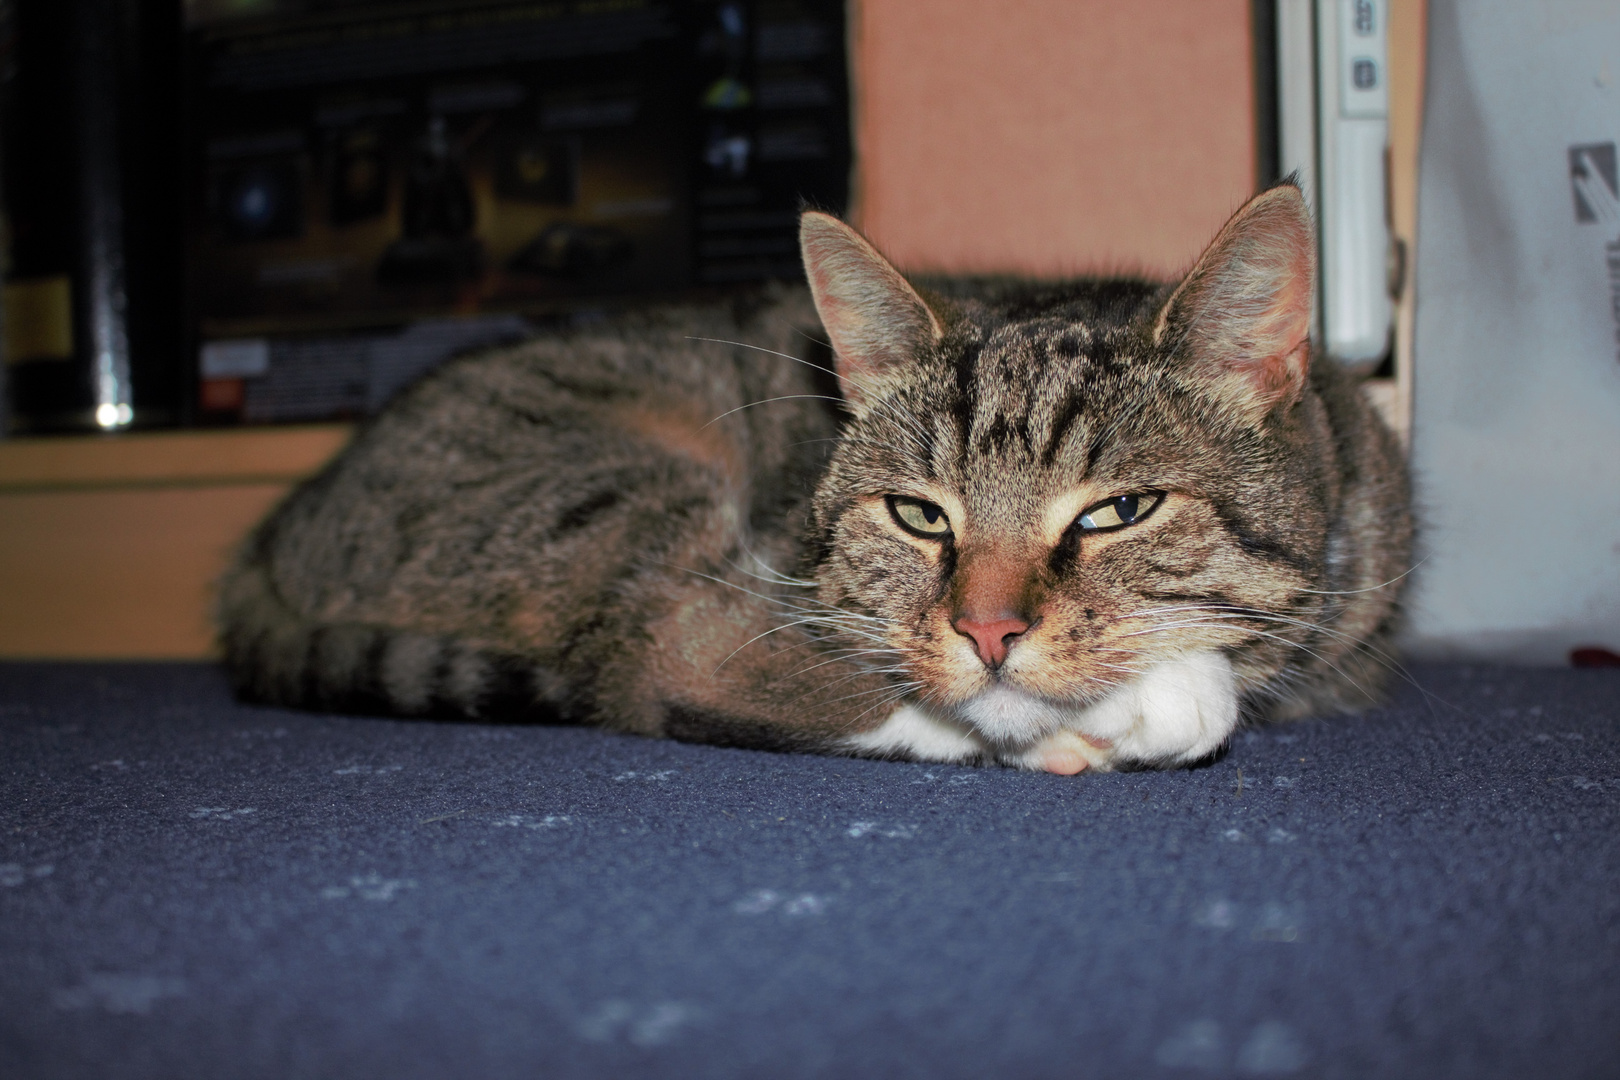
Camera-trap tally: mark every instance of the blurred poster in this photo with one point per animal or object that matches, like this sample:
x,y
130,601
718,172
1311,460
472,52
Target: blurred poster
x,y
358,168
1516,406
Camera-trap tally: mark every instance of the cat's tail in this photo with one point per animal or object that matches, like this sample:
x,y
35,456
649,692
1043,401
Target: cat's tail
x,y
277,656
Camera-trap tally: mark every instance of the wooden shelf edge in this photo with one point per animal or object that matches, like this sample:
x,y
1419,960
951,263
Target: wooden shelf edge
x,y
168,459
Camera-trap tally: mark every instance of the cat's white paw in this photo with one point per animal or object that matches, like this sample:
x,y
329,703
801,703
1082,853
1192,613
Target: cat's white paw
x,y
1176,712
914,733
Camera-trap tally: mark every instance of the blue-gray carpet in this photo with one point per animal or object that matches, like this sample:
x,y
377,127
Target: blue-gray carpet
x,y
193,887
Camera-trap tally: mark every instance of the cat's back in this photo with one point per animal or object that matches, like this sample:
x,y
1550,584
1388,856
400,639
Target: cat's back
x,y
499,410
495,499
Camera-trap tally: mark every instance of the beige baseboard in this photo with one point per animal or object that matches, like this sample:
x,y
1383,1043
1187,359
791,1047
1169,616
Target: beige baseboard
x,y
110,546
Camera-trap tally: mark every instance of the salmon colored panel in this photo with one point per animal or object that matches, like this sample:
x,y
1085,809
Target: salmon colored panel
x,y
1051,136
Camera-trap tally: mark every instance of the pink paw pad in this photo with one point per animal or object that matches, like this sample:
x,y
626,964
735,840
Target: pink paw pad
x,y
1063,762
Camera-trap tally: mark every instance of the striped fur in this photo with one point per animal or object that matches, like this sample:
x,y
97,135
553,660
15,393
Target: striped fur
x,y
666,523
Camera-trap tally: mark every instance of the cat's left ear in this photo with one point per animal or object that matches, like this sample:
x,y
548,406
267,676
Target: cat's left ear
x,y
877,322
1242,317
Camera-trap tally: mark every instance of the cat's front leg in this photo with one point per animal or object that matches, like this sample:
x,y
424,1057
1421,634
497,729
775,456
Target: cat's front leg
x,y
1174,713
916,733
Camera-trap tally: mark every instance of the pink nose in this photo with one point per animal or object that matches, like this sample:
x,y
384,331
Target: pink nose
x,y
991,639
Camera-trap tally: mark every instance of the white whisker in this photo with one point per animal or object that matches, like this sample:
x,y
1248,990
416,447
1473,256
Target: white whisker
x,y
1370,588
761,348
1259,633
767,401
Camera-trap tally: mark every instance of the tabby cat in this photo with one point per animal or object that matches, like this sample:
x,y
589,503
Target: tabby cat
x,y
1094,524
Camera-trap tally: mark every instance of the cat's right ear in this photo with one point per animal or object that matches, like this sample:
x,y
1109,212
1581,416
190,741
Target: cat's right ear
x,y
1243,315
875,319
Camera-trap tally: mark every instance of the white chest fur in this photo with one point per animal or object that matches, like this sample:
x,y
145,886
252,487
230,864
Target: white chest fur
x,y
1176,712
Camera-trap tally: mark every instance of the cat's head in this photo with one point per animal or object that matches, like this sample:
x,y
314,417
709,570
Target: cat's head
x,y
1038,501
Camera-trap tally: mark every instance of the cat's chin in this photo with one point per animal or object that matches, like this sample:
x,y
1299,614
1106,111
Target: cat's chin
x,y
1176,712
1008,716
1002,724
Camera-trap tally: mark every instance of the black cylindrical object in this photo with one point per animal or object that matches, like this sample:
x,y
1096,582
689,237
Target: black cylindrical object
x,y
90,128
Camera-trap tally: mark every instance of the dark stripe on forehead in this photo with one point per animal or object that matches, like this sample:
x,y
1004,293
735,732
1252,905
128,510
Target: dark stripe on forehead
x,y
993,436
967,394
1067,414
1099,443
1021,429
1001,433
929,443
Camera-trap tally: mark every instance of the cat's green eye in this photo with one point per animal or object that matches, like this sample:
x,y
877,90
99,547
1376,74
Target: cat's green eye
x,y
1120,511
918,517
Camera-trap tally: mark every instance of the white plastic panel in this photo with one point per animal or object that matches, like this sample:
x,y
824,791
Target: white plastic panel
x,y
1353,140
1296,93
1516,383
